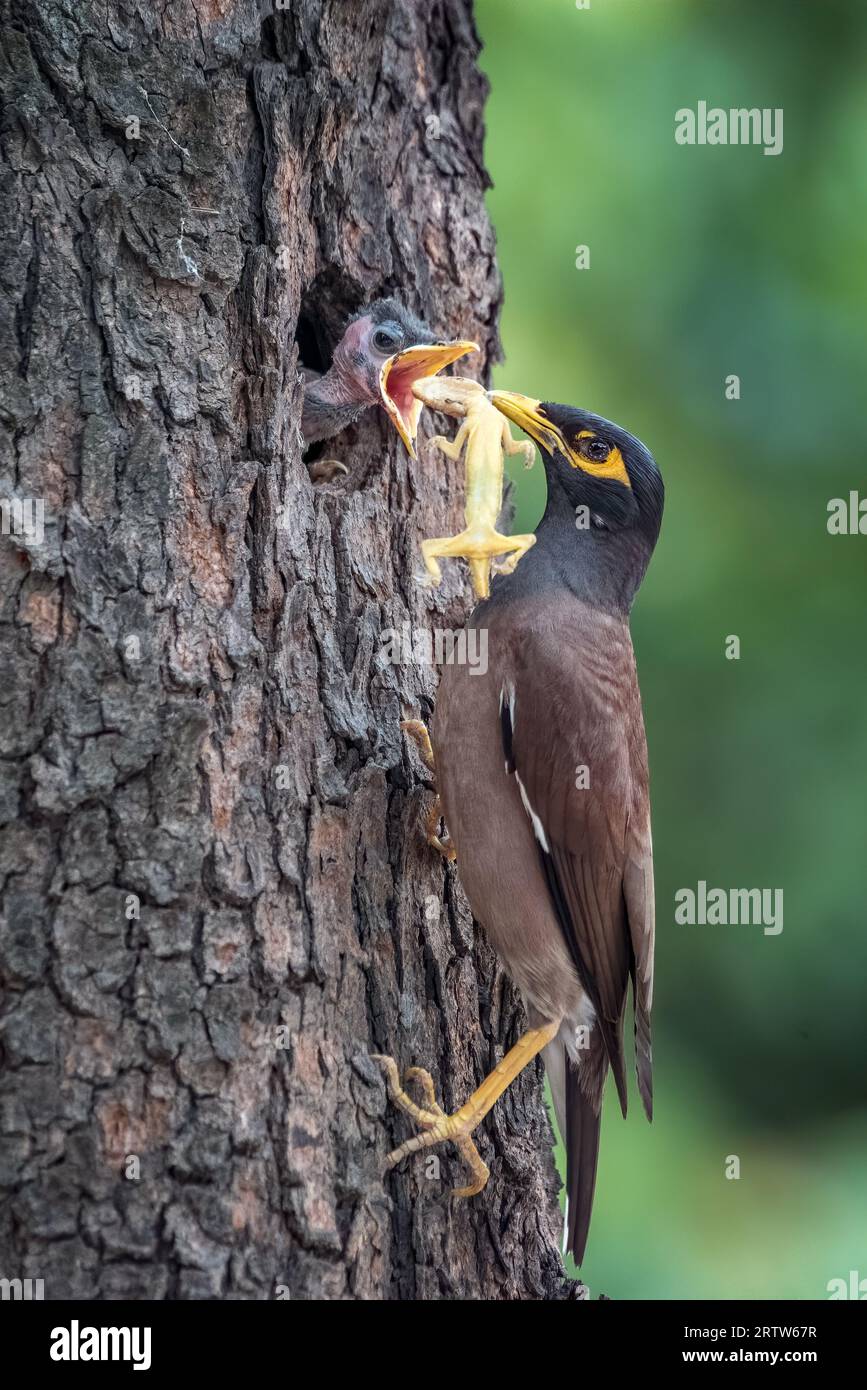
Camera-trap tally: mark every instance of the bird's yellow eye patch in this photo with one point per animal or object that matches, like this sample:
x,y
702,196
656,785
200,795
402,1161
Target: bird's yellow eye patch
x,y
598,458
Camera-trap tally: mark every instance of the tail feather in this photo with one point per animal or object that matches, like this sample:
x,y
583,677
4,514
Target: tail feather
x,y
612,1036
643,1054
583,1125
579,1120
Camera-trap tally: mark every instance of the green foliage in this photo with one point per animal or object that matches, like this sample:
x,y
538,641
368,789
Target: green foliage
x,y
706,261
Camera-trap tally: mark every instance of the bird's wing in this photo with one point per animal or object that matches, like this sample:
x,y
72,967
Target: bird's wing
x,y
638,894
573,737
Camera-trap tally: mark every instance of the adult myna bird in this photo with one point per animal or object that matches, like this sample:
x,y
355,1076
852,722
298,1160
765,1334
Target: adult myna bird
x,y
384,349
541,764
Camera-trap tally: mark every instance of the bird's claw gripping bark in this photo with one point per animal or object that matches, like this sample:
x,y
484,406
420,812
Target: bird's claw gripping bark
x,y
435,1124
416,730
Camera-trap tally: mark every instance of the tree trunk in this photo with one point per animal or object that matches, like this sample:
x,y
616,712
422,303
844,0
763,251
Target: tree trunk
x,y
216,900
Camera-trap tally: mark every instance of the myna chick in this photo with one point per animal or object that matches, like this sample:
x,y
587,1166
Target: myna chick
x,y
541,765
384,349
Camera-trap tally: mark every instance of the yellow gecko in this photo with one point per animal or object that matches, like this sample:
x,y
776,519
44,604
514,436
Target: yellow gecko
x,y
486,437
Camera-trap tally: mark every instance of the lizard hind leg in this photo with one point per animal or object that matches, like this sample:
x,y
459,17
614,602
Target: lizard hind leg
x,y
445,547
515,549
482,554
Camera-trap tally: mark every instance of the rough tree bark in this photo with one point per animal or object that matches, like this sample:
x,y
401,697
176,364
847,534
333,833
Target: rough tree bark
x,y
215,898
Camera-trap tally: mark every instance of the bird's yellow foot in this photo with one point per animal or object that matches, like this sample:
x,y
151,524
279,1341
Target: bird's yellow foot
x,y
436,1125
421,738
417,731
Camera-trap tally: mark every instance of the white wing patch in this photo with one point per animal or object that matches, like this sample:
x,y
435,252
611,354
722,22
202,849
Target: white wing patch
x,y
538,827
507,694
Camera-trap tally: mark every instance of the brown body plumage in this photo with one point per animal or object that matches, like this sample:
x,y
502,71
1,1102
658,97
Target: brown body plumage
x,y
570,701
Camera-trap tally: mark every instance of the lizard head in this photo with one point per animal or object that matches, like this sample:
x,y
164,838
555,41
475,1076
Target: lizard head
x,y
452,395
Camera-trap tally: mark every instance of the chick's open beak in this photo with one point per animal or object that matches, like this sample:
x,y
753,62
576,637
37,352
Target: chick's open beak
x,y
400,371
529,416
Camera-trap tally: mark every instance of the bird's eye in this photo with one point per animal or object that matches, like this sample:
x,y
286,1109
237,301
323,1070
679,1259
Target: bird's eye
x,y
593,449
386,340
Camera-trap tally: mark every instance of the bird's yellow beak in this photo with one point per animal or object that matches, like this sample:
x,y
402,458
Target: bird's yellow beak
x,y
531,417
528,415
400,371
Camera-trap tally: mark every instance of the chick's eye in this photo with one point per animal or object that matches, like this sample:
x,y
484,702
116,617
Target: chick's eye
x,y
595,450
386,340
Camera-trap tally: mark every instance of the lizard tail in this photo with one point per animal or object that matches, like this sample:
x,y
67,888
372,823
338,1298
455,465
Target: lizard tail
x,y
480,571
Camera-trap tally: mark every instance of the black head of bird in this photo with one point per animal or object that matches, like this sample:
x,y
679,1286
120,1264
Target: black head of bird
x,y
601,480
384,349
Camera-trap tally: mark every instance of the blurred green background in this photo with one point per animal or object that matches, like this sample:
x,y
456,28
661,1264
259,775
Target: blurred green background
x,y
705,262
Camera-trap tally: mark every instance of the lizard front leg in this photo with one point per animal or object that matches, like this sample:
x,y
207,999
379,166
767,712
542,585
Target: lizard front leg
x,y
452,448
511,447
444,547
